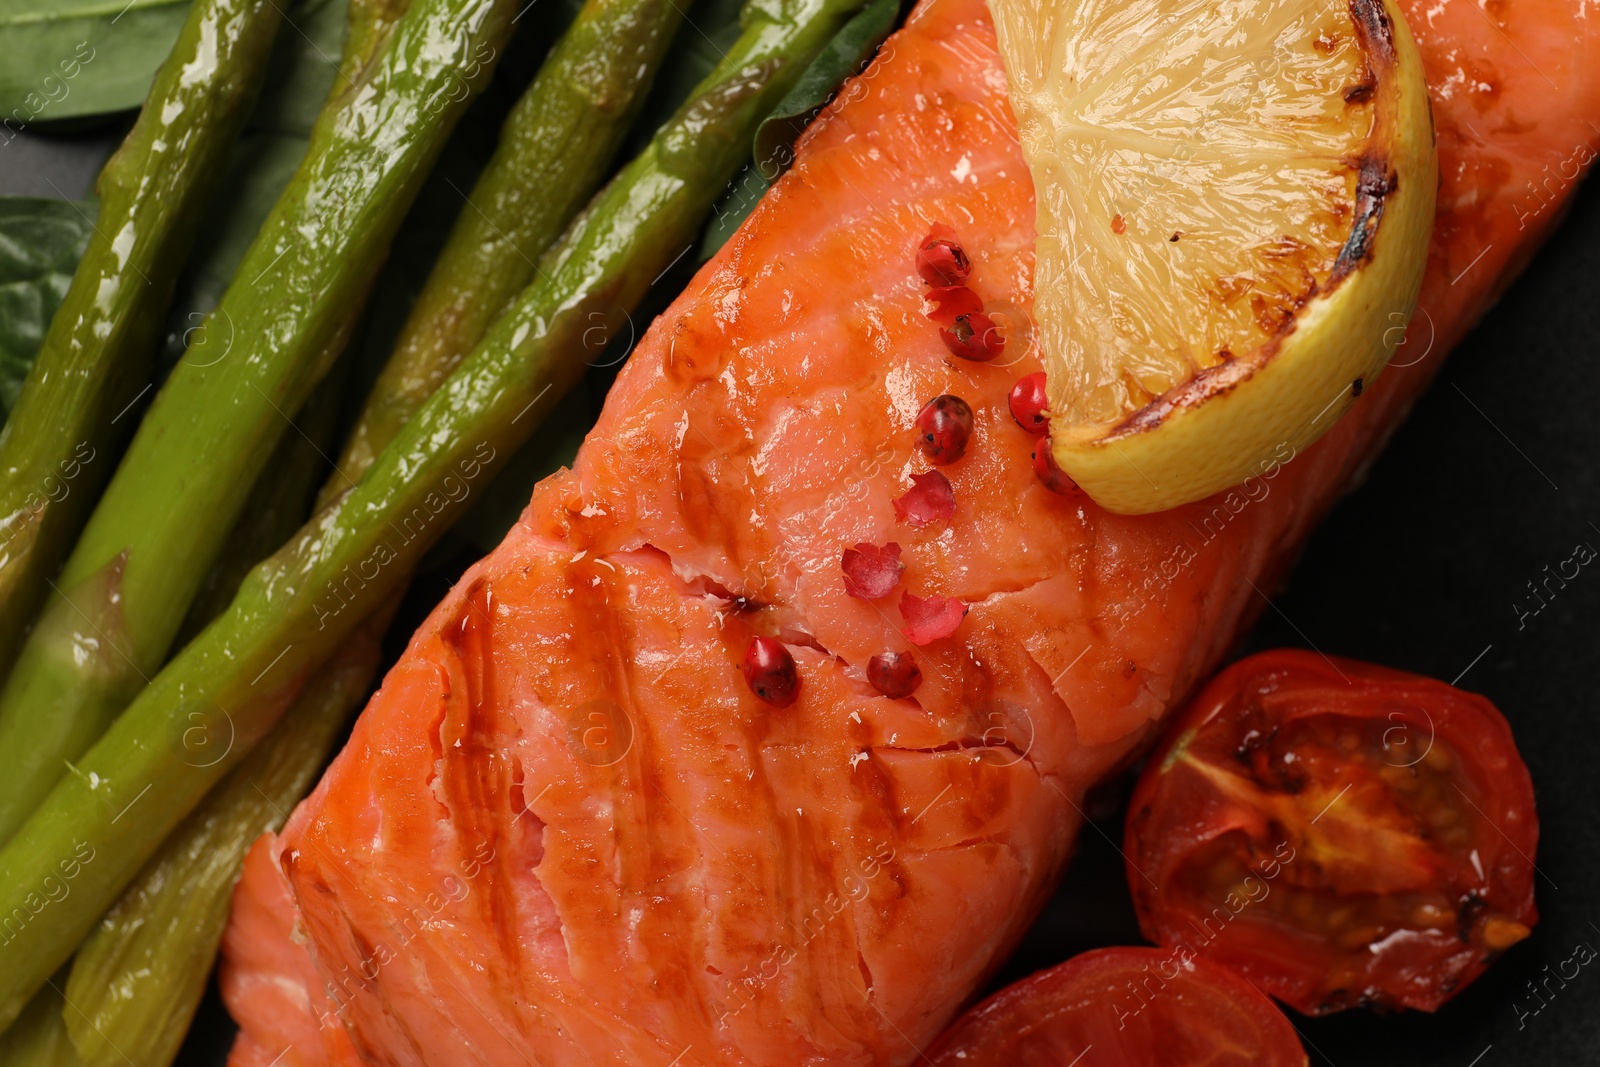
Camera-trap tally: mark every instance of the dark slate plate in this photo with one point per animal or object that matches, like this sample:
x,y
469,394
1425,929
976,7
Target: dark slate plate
x,y
1496,475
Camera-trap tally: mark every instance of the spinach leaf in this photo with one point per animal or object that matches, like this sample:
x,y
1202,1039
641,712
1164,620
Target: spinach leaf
x,y
40,244
301,70
851,49
64,58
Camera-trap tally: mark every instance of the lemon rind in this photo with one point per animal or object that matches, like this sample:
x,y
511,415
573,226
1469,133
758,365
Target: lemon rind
x,y
1211,434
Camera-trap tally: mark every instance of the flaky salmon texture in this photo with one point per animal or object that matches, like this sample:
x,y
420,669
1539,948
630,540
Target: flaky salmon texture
x,y
566,832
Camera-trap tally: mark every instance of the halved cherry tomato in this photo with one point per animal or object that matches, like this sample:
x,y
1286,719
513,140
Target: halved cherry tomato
x,y
1340,834
1124,1007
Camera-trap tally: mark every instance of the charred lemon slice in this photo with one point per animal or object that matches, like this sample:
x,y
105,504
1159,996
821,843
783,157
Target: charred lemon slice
x,y
1234,204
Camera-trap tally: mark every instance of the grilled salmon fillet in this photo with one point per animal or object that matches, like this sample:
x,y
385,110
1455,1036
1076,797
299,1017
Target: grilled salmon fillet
x,y
566,832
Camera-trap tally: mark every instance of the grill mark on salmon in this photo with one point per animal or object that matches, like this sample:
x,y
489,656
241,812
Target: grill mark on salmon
x,y
475,775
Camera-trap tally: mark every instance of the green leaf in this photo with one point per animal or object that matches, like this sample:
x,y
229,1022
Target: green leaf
x,y
305,60
851,49
40,244
63,58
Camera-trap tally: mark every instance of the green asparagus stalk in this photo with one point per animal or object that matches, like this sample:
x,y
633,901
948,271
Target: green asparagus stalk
x,y
367,24
138,978
279,503
130,580
220,695
555,149
58,448
39,1036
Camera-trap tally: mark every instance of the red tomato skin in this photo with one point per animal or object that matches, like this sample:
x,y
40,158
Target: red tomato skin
x,y
1413,972
1172,1015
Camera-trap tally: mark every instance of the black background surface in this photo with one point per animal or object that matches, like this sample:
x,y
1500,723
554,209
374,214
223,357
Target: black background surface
x,y
1495,475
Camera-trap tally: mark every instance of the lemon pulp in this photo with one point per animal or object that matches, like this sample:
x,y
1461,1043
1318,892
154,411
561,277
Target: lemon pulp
x,y
1206,174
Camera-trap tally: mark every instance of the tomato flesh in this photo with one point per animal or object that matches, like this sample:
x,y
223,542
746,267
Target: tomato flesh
x,y
1340,833
1124,1007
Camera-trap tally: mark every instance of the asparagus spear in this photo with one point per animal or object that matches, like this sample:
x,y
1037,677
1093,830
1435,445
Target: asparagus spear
x,y
286,315
137,980
278,504
39,1036
367,23
555,148
223,692
59,445
139,976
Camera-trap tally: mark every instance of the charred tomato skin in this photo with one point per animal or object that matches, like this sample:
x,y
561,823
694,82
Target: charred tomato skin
x,y
944,426
1384,820
894,674
1133,1006
770,672
1027,403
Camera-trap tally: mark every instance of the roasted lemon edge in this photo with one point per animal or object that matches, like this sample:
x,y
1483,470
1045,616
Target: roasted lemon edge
x,y
1215,431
